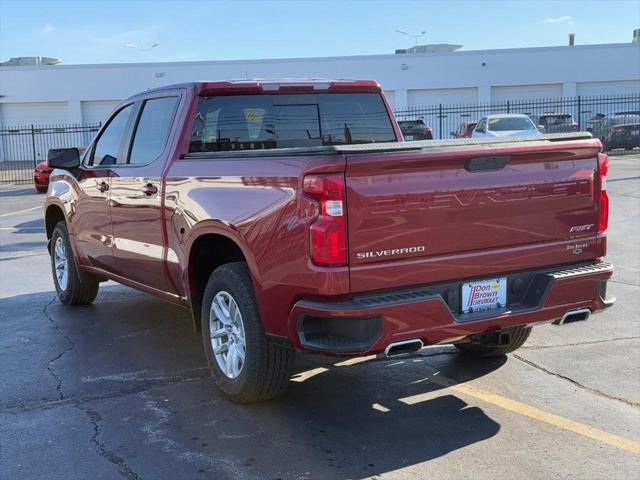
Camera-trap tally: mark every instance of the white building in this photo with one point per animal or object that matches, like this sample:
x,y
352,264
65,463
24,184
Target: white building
x,y
47,94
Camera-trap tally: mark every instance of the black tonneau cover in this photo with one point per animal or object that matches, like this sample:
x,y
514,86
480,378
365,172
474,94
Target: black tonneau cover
x,y
388,146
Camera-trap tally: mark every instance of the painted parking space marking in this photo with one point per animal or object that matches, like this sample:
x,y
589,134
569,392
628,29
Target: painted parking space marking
x,y
9,229
18,212
527,411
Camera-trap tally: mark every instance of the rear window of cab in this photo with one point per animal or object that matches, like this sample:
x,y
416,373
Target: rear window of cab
x,y
258,122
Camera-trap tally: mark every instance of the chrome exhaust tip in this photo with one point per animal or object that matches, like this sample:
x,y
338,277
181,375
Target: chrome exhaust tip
x,y
404,347
577,315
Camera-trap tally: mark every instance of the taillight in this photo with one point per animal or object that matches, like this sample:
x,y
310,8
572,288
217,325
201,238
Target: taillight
x,y
327,234
428,132
603,209
574,126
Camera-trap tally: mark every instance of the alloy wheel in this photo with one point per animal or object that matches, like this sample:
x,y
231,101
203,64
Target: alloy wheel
x,y
227,334
61,264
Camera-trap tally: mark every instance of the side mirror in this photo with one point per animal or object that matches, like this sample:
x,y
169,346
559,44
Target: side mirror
x,y
541,128
64,158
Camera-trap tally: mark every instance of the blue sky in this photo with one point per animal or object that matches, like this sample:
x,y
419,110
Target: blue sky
x,y
97,31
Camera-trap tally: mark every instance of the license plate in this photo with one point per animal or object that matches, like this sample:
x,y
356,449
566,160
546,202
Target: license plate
x,y
409,137
484,294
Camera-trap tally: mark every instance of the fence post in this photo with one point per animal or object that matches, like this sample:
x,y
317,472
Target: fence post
x,y
508,106
440,120
33,145
579,114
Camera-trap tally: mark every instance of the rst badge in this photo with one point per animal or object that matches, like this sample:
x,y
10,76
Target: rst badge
x,y
581,228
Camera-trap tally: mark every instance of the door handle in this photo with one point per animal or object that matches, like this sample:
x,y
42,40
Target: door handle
x,y
103,186
150,189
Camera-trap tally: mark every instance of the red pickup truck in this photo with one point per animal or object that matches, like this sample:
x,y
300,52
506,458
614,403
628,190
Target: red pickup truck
x,y
291,215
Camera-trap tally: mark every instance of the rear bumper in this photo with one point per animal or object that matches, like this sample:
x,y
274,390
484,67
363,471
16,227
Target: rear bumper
x,y
41,179
367,324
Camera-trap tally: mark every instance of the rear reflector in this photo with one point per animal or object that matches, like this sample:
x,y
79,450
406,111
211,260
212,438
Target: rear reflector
x,y
603,207
327,234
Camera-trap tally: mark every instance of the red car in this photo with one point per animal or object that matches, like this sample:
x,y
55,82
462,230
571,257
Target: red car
x,y
289,216
465,129
42,172
41,176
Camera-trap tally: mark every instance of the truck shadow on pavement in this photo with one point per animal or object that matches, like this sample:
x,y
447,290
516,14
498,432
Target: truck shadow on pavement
x,y
136,364
24,247
31,227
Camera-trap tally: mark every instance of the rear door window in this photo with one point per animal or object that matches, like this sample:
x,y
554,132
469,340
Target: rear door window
x,y
152,130
257,122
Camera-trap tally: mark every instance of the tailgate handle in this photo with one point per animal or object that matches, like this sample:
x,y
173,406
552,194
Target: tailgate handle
x,y
483,164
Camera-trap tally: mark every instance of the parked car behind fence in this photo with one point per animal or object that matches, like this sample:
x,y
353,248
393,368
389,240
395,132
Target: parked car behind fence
x,y
617,131
444,118
557,123
506,125
415,130
465,129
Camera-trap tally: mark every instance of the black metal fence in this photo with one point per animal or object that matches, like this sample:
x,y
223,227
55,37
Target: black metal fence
x,y
23,147
444,119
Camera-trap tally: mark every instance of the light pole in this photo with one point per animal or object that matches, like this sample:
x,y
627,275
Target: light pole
x,y
145,50
415,35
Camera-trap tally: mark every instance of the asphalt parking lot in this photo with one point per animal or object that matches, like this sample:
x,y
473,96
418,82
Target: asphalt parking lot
x,y
120,388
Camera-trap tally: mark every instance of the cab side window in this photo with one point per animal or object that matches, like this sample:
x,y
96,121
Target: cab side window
x,y
152,130
107,147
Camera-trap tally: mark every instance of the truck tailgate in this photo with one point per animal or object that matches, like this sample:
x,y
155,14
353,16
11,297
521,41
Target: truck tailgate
x,y
432,215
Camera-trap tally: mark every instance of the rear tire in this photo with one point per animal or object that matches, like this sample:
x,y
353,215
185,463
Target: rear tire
x,y
260,369
519,335
71,289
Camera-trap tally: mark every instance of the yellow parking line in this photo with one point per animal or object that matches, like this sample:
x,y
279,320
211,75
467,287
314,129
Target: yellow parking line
x,y
354,361
302,376
532,412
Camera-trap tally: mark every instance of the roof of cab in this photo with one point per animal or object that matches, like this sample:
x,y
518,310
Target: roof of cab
x,y
268,85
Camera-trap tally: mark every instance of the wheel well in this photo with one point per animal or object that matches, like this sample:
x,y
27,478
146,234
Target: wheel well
x,y
52,217
208,253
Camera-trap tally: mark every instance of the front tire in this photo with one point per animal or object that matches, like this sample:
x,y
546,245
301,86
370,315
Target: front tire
x,y
71,289
245,364
519,335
